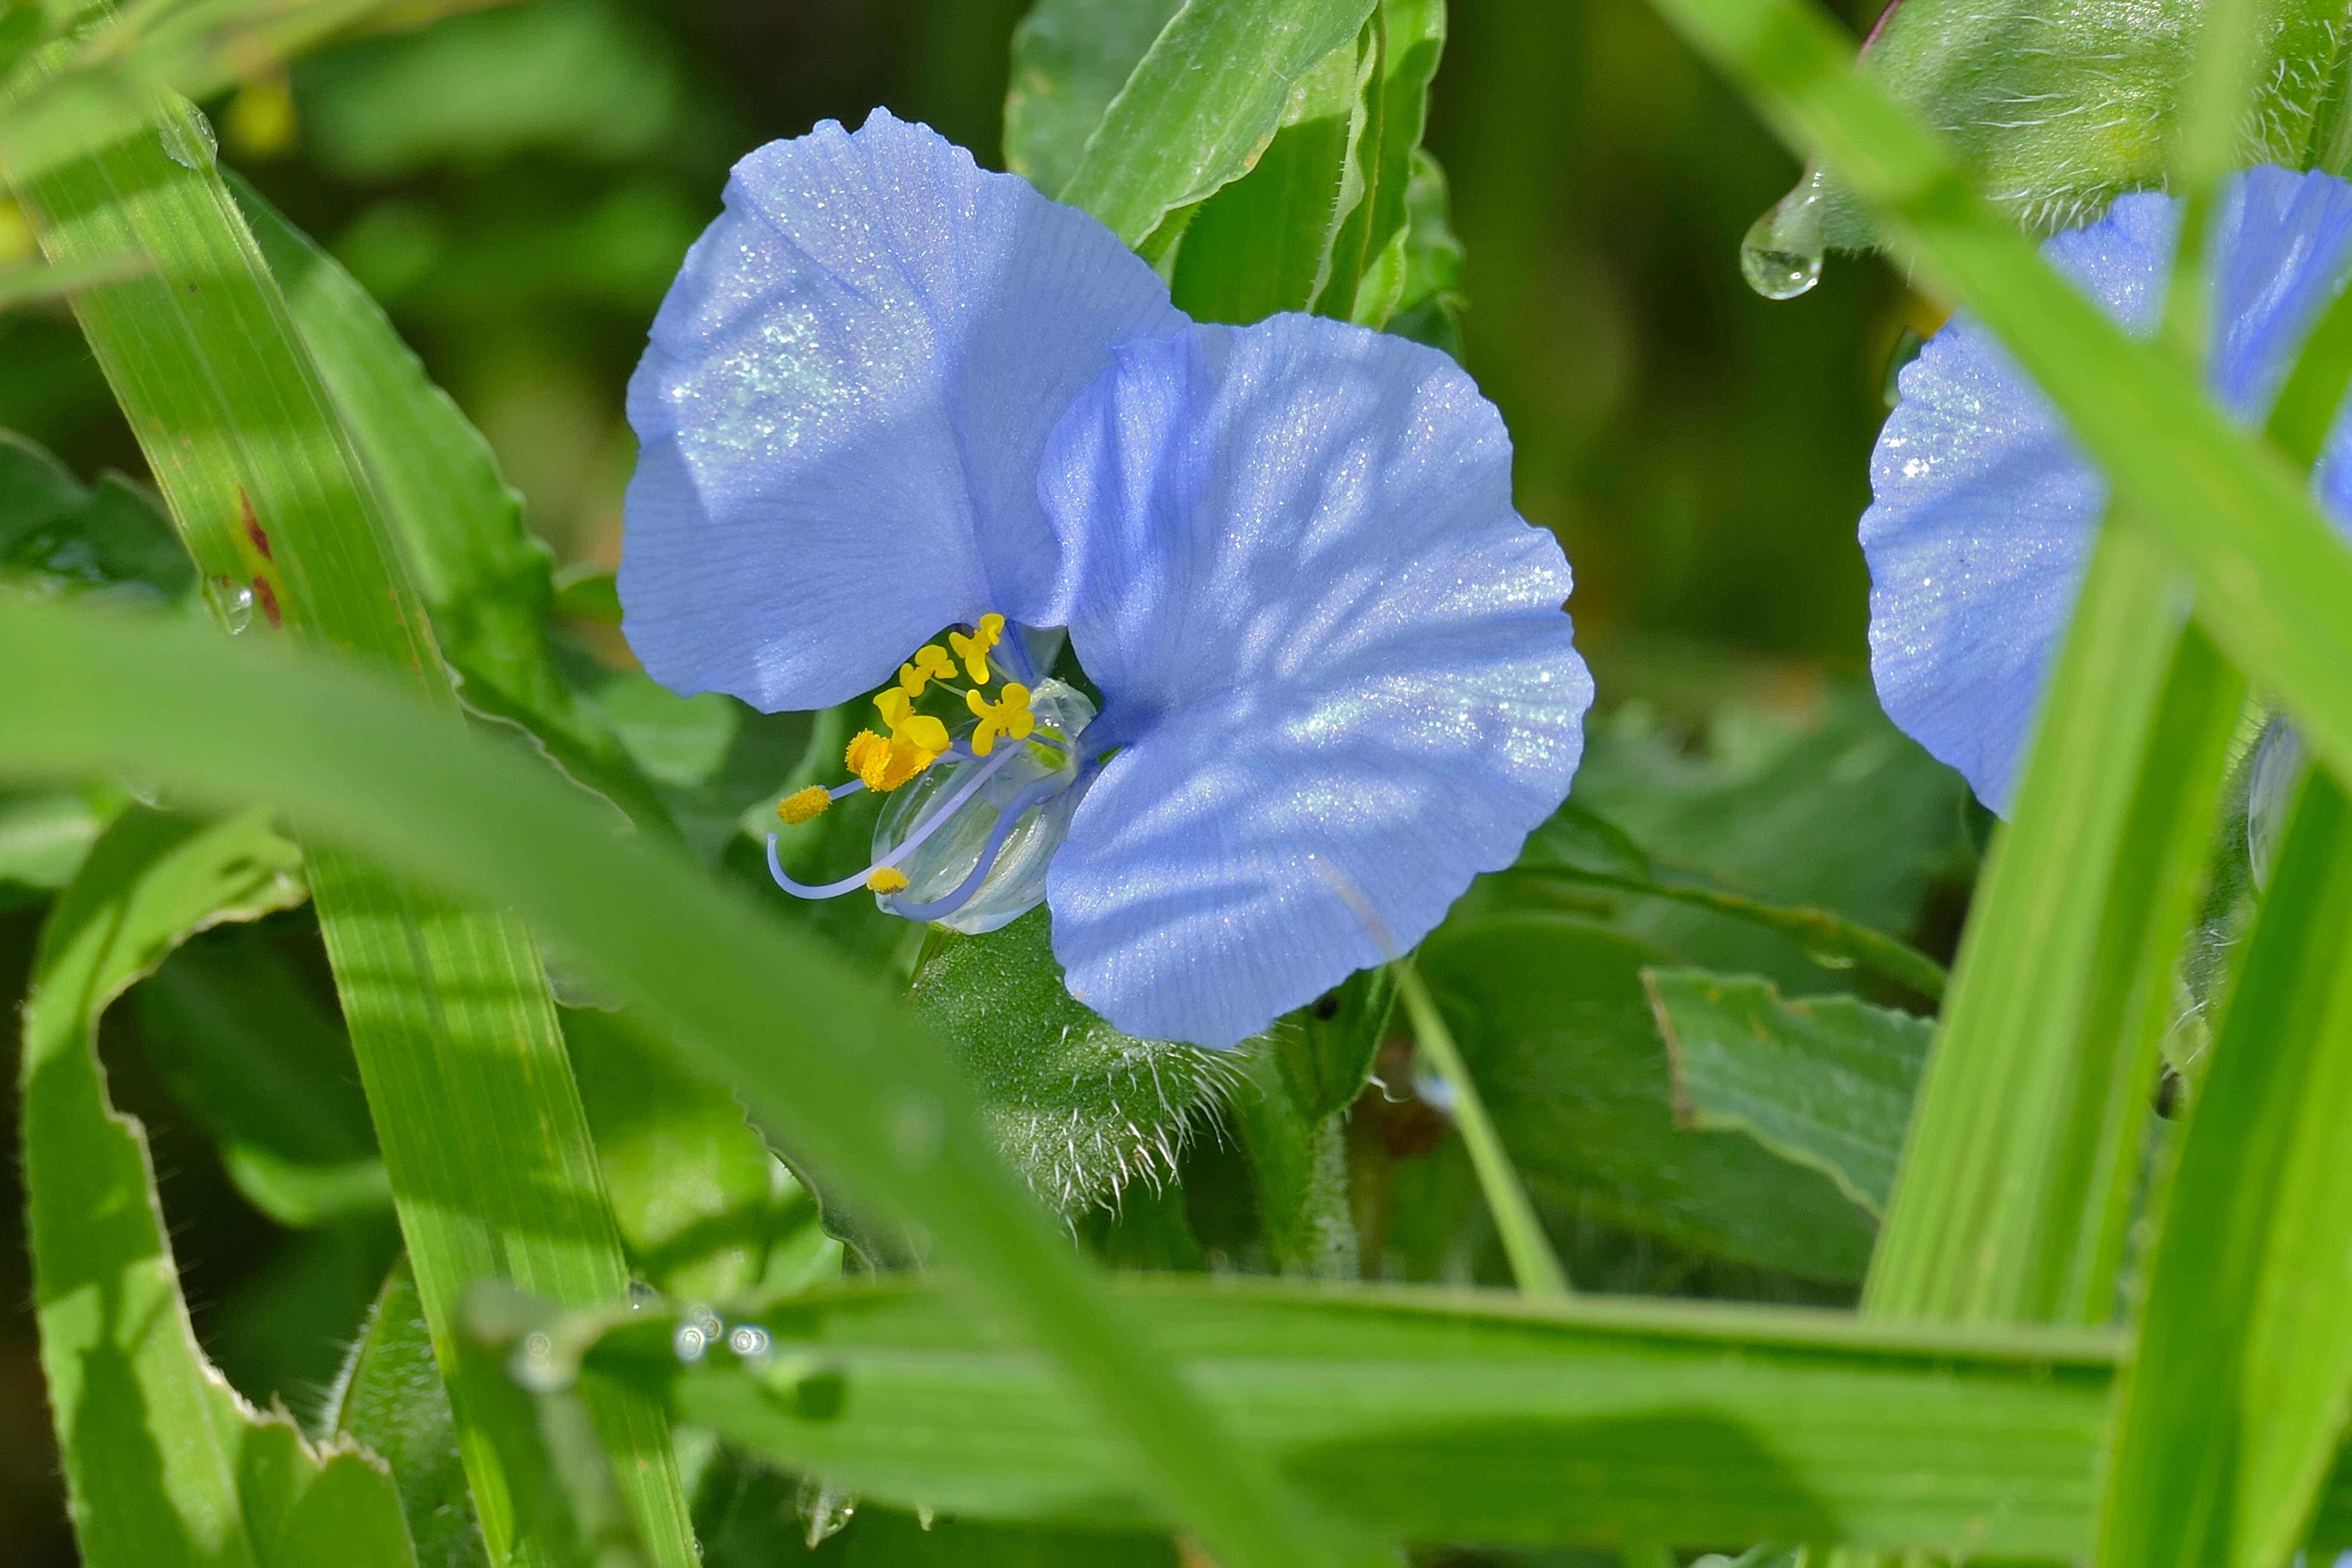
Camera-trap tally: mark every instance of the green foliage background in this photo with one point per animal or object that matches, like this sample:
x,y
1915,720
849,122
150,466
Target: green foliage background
x,y
515,188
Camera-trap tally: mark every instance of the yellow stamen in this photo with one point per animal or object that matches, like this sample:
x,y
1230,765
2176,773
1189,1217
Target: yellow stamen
x,y
1008,716
804,805
885,764
973,649
931,663
886,879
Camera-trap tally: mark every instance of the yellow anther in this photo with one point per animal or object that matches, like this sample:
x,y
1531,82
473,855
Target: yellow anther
x,y
804,805
1008,716
973,649
885,764
886,879
931,663
917,730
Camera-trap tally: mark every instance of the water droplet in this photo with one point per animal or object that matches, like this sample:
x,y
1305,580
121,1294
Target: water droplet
x,y
698,1329
748,1340
232,603
827,1511
538,1367
190,144
1781,257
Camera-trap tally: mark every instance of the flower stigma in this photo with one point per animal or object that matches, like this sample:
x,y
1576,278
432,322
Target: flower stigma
x,y
976,811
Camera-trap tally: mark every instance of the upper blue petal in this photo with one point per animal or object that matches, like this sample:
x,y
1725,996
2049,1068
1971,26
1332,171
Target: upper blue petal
x,y
842,407
1333,657
1985,507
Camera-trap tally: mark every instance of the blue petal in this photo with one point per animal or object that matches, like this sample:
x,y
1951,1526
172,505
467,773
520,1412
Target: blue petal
x,y
1984,505
1334,658
842,408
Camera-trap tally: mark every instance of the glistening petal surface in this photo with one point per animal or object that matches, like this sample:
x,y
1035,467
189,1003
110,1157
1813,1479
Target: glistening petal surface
x,y
1984,508
842,406
1334,658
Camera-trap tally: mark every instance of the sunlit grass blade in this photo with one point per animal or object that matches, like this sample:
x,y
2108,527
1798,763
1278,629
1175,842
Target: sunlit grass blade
x,y
30,285
1439,1416
481,1128
828,1061
2241,1380
165,1467
487,583
1201,105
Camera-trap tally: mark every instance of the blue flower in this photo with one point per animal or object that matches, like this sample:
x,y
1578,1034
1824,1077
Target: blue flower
x,y
1984,508
893,398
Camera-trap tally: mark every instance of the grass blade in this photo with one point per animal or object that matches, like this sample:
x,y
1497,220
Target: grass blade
x,y
2240,1383
1443,1416
165,1465
448,1010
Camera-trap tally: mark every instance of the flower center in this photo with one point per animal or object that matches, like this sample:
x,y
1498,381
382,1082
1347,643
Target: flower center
x,y
971,821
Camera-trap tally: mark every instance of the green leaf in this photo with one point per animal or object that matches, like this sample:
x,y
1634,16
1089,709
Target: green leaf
x,y
1079,1110
165,1464
820,1056
448,1010
60,538
2240,1379
1826,1081
390,1397
1438,1416
1372,271
1203,104
1843,815
43,834
1556,1028
1299,1171
1070,57
1579,849
703,1207
1265,242
485,581
1325,1050
261,1066
1429,307
893,1539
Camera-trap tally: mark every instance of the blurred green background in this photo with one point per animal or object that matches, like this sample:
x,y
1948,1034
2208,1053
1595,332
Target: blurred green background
x,y
518,185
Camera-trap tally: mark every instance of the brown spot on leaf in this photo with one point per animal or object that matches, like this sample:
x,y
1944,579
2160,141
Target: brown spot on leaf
x,y
267,596
253,529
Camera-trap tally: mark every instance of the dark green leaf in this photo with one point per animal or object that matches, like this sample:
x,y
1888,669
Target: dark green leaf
x,y
1556,1028
1826,1081
1844,815
56,537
